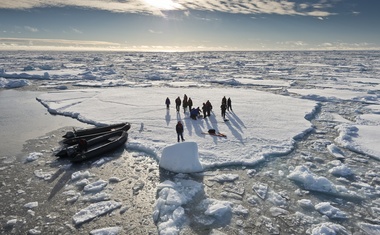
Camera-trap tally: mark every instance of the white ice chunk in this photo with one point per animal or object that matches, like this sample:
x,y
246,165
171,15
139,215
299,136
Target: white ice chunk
x,y
327,229
43,175
95,210
313,182
80,175
306,203
370,228
224,178
341,170
31,205
335,151
95,186
11,222
218,209
330,211
106,231
260,189
34,231
33,156
181,158
360,138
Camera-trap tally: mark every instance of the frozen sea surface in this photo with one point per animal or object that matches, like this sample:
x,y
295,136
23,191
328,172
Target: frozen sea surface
x,y
300,157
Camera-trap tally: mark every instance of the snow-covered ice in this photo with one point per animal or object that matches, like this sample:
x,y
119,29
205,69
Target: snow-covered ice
x,y
271,130
322,114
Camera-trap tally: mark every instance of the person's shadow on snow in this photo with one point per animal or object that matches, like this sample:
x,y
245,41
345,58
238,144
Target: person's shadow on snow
x,y
236,120
234,124
190,124
167,117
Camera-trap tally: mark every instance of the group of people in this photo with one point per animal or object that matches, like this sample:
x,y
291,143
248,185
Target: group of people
x,y
226,105
195,112
187,102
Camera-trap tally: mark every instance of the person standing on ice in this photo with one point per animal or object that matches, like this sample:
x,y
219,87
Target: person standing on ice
x,y
179,129
190,103
208,107
229,105
204,109
224,100
167,102
184,103
223,107
178,103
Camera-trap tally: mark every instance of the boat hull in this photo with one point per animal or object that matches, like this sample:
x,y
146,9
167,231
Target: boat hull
x,y
92,134
95,130
118,139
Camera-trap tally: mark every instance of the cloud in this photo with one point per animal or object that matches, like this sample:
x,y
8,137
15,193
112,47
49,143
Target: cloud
x,y
48,44
348,46
31,29
292,44
76,31
159,7
154,32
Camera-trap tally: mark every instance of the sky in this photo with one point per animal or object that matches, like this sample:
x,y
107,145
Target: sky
x,y
189,25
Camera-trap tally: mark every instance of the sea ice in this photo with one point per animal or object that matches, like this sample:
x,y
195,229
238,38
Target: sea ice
x,y
33,156
80,175
95,210
43,175
335,151
31,205
217,209
106,231
13,83
181,158
95,186
221,178
330,211
327,228
313,182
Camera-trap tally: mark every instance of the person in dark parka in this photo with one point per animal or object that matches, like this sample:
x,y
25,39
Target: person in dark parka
x,y
204,109
179,130
184,103
190,103
229,105
178,103
208,107
223,107
167,102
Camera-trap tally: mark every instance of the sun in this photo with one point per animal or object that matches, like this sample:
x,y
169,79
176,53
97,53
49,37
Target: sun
x,y
163,4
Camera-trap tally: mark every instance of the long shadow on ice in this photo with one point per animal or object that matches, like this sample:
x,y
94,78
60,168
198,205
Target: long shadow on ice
x,y
187,122
230,124
196,124
235,117
167,117
235,121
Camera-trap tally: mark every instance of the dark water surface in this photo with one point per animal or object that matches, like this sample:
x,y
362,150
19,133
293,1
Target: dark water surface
x,y
22,118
